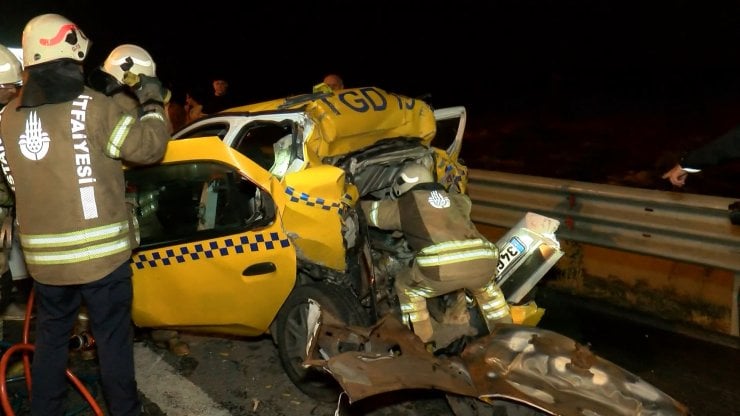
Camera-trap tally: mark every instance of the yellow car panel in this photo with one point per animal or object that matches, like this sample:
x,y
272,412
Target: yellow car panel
x,y
233,283
355,118
317,199
202,285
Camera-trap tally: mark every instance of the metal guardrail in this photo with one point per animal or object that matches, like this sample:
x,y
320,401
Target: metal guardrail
x,y
678,226
672,225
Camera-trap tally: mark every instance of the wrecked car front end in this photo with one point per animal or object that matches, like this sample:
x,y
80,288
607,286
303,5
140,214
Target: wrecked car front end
x,y
515,367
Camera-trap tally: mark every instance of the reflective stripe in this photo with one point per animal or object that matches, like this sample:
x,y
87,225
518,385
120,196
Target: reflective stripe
x,y
119,135
420,292
74,238
496,314
78,255
152,114
89,205
451,258
137,229
492,303
374,213
457,245
415,309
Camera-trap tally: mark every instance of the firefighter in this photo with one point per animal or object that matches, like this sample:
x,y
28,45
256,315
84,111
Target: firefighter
x,y
11,258
11,78
112,79
450,253
64,144
119,71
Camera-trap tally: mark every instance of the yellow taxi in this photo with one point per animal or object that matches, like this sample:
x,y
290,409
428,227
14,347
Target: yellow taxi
x,y
250,216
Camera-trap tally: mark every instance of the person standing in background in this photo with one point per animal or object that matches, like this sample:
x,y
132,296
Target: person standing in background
x,y
193,105
221,99
176,113
334,82
65,144
330,83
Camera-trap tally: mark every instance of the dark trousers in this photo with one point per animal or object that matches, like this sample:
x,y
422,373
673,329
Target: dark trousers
x,y
108,303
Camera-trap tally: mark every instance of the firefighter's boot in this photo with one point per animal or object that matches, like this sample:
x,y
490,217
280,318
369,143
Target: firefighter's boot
x,y
171,340
455,323
87,341
493,305
415,314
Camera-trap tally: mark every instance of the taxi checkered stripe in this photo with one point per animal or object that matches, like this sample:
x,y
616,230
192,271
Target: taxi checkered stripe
x,y
198,251
314,202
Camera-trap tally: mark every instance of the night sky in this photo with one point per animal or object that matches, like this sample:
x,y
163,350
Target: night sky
x,y
479,53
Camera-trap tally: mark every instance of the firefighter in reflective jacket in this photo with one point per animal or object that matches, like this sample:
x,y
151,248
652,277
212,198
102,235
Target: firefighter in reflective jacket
x,y
450,253
11,80
63,146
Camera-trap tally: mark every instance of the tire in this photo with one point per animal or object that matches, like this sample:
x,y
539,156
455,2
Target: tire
x,y
291,336
469,406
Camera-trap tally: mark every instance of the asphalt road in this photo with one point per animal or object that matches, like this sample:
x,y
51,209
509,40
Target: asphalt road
x,y
697,368
229,376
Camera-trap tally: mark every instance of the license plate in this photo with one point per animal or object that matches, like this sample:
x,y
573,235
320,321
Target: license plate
x,y
511,251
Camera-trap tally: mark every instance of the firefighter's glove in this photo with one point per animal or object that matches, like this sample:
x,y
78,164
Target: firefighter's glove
x,y
130,79
149,90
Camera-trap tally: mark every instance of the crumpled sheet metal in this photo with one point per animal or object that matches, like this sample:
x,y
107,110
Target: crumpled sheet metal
x,y
554,373
525,364
392,358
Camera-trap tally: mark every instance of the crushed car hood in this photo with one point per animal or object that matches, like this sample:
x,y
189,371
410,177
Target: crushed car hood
x,y
541,368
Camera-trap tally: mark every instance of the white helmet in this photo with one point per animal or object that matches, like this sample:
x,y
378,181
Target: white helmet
x,y
49,37
411,175
10,67
129,58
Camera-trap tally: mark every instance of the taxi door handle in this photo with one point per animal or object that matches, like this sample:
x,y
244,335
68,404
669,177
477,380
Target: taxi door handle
x,y
259,268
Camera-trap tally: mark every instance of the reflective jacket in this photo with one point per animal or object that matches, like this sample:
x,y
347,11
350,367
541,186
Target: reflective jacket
x,y
64,163
437,226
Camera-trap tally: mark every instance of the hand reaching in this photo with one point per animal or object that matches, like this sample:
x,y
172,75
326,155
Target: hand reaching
x,y
676,175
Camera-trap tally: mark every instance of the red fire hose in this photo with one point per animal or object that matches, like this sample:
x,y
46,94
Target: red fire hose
x,y
26,347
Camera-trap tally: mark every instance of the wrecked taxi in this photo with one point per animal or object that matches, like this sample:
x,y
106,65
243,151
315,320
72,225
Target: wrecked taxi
x,y
249,226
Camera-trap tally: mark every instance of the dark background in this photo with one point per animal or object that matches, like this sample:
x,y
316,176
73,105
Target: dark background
x,y
486,54
637,82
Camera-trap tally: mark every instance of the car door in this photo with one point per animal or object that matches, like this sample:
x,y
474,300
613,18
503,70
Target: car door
x,y
447,145
271,139
214,255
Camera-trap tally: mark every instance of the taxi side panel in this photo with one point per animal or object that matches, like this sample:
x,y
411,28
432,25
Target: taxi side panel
x,y
231,283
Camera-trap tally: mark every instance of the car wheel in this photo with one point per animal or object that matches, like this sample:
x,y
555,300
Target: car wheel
x,y
469,406
292,335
